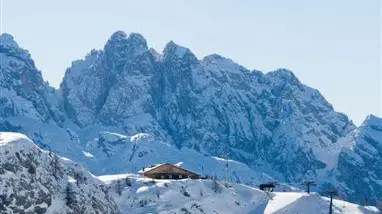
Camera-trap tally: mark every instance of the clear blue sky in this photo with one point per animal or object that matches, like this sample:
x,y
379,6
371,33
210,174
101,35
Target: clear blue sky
x,y
331,45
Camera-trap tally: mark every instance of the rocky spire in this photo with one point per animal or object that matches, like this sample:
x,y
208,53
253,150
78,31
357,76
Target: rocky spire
x,y
175,51
119,49
7,40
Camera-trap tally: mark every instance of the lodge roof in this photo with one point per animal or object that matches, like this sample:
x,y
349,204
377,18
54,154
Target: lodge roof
x,y
148,169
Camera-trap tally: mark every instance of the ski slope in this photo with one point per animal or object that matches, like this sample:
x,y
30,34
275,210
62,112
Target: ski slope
x,y
293,202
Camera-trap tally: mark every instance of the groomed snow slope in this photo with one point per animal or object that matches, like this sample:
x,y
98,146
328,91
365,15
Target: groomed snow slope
x,y
291,203
144,195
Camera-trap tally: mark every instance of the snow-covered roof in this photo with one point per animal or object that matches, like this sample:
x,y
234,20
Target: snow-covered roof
x,y
145,169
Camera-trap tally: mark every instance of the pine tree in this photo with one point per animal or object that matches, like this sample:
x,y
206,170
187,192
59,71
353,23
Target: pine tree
x,y
77,178
69,195
55,166
215,185
118,188
366,201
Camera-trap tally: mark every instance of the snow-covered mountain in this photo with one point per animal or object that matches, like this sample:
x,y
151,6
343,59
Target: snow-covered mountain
x,y
173,103
37,181
359,168
211,105
135,194
29,105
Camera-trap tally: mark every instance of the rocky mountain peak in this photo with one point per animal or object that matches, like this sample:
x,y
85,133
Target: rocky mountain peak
x,y
373,120
7,40
218,62
21,81
138,39
173,51
284,75
10,48
120,39
121,49
118,35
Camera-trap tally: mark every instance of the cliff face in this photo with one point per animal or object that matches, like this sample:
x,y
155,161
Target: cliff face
x,y
23,91
360,165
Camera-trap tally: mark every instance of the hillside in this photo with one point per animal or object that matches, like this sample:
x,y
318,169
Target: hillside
x,y
143,195
37,181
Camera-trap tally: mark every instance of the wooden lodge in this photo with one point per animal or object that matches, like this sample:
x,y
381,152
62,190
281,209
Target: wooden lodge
x,y
168,171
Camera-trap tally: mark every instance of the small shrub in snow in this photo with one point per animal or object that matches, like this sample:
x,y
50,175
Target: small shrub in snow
x,y
142,202
185,211
185,193
128,181
197,207
227,185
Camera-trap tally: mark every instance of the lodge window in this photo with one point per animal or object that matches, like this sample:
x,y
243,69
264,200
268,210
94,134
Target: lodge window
x,y
170,176
180,176
162,176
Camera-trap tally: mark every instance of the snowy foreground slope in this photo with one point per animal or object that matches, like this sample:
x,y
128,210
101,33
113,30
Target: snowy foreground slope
x,y
143,195
36,181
